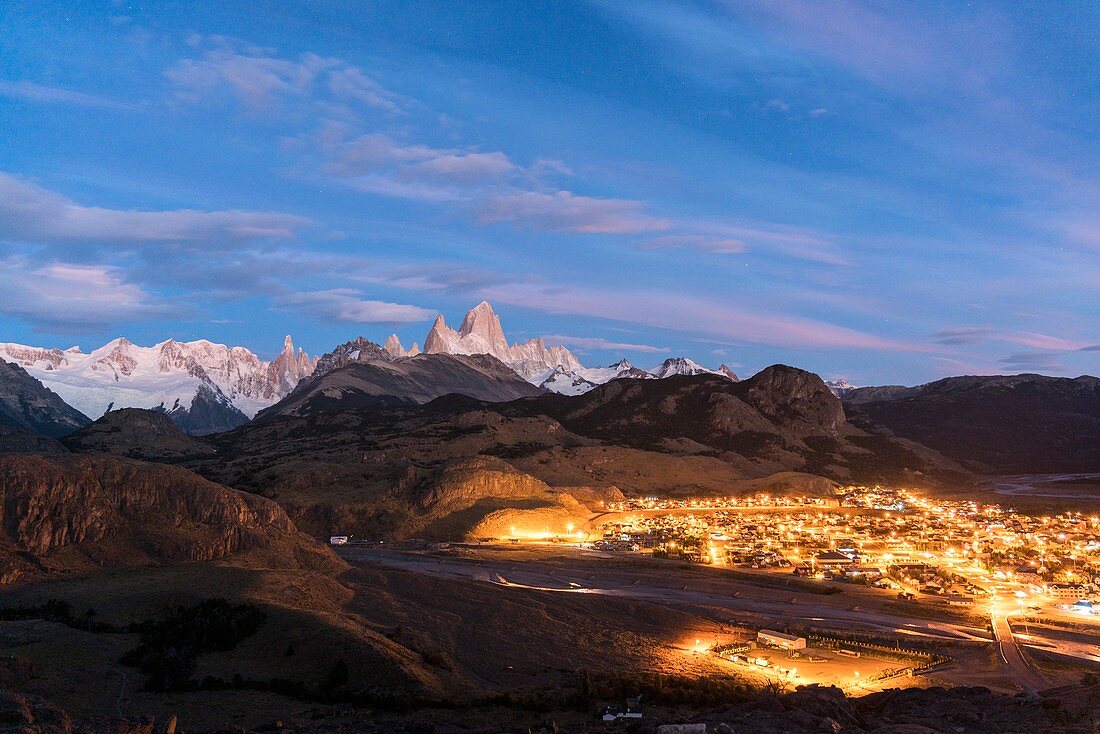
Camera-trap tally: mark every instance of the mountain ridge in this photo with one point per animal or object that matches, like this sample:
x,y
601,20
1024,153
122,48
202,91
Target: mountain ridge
x,y
997,423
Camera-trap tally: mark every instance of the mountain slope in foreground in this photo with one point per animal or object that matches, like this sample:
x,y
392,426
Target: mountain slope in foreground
x,y
137,434
340,469
363,378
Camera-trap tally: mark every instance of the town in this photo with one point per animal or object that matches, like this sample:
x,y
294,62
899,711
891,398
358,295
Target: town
x,y
955,551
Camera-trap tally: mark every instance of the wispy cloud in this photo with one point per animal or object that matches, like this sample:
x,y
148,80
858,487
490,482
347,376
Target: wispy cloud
x,y
29,212
589,342
63,296
967,335
380,155
349,306
699,243
1034,360
565,211
48,94
259,76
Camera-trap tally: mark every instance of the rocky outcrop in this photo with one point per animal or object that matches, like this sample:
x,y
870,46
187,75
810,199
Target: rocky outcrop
x,y
138,434
797,399
70,513
465,483
358,351
26,404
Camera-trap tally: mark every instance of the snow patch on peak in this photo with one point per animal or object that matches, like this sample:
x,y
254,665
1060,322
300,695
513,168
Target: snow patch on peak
x,y
566,382
840,387
680,366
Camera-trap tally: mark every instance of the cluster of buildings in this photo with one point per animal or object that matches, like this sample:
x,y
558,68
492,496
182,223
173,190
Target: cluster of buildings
x,y
892,538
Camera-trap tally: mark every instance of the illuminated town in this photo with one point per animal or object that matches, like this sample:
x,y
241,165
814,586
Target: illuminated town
x,y
893,539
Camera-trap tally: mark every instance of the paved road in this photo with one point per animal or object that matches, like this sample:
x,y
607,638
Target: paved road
x,y
776,604
1013,659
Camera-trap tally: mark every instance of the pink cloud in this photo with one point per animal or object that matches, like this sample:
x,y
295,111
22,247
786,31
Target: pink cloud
x,y
258,76
699,243
349,306
684,313
590,342
64,295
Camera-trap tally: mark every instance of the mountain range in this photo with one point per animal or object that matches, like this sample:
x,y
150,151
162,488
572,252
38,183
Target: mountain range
x,y
1023,423
553,368
204,387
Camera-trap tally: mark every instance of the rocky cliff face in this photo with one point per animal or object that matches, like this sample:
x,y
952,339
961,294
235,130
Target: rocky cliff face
x,y
26,404
69,513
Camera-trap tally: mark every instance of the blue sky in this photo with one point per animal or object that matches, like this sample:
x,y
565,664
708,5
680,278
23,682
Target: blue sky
x,y
883,192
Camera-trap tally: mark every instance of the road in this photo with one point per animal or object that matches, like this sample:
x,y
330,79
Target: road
x,y
822,611
1011,655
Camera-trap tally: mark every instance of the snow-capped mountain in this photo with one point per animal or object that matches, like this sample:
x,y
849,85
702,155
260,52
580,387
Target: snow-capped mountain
x,y
621,369
481,333
204,386
565,382
683,366
840,387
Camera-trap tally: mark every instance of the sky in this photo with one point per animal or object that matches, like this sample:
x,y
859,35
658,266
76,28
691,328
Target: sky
x,y
882,192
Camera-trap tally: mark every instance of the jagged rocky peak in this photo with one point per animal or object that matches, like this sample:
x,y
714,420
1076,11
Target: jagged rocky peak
x,y
481,333
359,349
395,349
482,322
437,341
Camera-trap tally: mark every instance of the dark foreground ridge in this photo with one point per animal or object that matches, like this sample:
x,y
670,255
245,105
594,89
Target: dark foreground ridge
x,y
807,709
